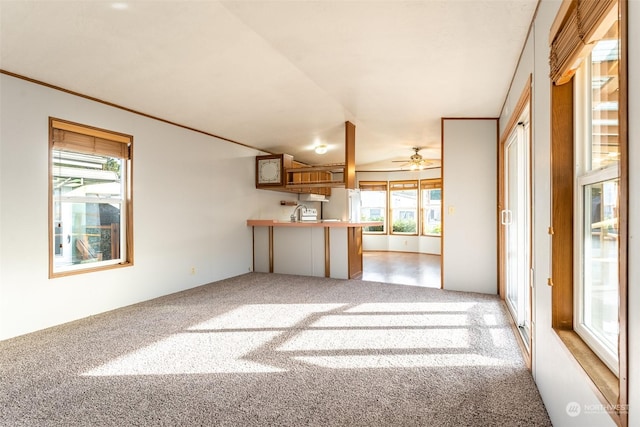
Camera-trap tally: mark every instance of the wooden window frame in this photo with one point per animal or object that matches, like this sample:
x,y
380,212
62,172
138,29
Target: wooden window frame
x,y
377,186
415,185
429,184
79,138
611,390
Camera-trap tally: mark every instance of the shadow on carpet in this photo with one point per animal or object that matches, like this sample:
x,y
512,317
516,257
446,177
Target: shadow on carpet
x,y
280,350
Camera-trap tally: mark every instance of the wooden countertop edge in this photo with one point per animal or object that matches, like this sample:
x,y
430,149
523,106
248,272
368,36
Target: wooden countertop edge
x,y
329,224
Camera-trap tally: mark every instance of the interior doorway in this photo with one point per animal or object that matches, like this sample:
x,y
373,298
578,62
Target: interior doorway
x,y
402,268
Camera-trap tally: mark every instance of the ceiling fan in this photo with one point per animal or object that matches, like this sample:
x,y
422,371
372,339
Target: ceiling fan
x,y
416,161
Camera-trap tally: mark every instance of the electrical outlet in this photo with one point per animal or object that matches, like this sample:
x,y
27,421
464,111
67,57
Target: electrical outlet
x,y
193,271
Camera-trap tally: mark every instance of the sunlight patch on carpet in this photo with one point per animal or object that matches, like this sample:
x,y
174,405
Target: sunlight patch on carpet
x,y
402,361
490,319
501,338
391,320
250,316
366,339
192,353
407,307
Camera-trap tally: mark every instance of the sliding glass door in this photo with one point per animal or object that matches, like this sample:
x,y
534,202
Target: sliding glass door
x,y
515,219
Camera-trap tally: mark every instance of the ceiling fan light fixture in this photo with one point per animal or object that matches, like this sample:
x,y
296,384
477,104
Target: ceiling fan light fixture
x,y
321,149
415,162
119,5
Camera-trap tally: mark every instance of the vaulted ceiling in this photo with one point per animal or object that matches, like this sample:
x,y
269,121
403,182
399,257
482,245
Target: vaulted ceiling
x,y
281,75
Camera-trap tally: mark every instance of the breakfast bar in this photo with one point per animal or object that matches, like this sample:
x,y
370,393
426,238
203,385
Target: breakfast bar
x,y
322,248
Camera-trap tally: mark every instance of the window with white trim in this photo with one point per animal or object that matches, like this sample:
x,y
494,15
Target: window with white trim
x,y
597,193
431,206
590,192
90,198
373,196
403,207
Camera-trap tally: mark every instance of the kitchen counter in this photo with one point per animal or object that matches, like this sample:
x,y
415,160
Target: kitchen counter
x,y
318,223
328,248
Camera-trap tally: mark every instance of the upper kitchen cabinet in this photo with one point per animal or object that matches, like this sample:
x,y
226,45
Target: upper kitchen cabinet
x,y
281,173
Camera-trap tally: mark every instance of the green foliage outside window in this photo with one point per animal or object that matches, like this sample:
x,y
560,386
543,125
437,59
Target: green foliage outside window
x,y
404,226
375,228
435,229
112,165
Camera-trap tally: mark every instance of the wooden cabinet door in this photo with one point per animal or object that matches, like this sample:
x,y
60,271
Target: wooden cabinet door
x,y
354,242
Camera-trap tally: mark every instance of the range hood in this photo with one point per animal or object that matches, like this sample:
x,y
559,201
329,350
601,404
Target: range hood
x,y
312,198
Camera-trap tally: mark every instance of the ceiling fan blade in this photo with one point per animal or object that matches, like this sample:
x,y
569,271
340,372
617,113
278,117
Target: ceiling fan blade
x,y
416,162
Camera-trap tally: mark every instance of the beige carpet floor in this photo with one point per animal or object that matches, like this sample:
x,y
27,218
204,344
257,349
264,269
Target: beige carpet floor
x,y
277,350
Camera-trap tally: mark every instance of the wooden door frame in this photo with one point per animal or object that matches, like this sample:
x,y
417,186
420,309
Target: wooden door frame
x,y
523,102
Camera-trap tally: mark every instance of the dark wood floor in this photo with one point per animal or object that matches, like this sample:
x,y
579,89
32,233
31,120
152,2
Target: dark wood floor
x,y
402,268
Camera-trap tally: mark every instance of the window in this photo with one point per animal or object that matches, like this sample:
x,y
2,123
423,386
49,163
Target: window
x,y
90,198
431,196
590,192
403,207
374,205
597,191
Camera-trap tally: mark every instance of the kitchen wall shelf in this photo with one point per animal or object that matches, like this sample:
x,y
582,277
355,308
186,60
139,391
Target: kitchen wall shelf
x,y
279,172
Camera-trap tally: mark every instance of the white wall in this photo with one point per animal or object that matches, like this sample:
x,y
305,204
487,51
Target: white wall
x,y
519,81
192,196
469,256
397,243
560,379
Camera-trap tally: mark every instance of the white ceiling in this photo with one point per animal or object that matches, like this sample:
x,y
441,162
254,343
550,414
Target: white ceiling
x,y
281,75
